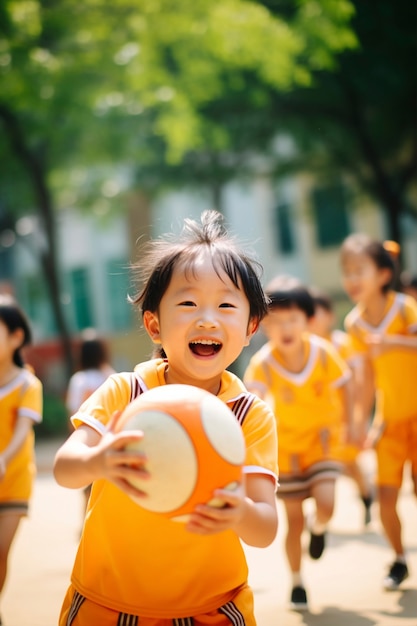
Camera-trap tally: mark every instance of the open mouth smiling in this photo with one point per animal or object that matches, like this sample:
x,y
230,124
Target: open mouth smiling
x,y
205,347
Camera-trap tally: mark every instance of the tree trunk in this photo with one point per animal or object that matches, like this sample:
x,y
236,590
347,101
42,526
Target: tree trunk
x,y
382,183
48,257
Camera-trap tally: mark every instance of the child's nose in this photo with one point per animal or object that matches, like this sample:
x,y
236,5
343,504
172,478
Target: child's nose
x,y
207,320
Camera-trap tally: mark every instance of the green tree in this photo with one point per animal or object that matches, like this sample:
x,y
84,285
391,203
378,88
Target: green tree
x,y
355,113
357,116
89,86
361,118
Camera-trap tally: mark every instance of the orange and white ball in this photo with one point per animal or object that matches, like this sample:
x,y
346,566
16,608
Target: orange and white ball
x,y
193,444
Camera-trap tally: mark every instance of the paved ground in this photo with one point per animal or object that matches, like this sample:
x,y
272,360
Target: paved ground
x,y
344,586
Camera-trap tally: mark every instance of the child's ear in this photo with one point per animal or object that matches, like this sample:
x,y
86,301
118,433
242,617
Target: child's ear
x,y
151,324
252,328
18,338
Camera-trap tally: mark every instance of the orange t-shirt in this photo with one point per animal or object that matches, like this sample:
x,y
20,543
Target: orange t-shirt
x,y
20,397
305,401
141,563
395,369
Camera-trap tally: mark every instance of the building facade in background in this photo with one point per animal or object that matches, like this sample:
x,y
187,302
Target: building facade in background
x,y
293,227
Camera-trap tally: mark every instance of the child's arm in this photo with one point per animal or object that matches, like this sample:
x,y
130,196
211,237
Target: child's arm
x,y
23,426
346,397
87,456
252,515
379,343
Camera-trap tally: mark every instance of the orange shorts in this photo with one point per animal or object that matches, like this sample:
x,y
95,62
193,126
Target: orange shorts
x,y
396,445
320,445
79,611
16,488
300,471
348,453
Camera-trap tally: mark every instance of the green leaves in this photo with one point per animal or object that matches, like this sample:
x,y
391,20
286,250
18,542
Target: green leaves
x,y
94,83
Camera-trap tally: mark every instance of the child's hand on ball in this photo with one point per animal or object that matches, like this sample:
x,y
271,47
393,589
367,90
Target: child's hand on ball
x,y
207,519
114,460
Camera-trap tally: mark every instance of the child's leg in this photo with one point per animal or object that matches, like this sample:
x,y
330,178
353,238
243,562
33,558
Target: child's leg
x,y
323,493
394,447
353,470
390,520
9,523
295,518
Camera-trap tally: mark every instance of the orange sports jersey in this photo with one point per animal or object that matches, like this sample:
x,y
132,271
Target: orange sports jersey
x,y
343,344
395,369
305,401
141,563
21,397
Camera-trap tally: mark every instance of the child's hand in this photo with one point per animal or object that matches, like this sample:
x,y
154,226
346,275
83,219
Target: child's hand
x,y
372,438
112,460
2,467
208,520
376,343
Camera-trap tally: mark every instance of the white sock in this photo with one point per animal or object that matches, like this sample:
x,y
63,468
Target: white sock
x,y
297,581
318,528
400,558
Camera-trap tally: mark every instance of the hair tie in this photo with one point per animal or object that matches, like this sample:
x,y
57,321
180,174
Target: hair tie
x,y
392,247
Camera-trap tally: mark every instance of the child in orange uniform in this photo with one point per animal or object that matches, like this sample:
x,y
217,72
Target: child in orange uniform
x,y
383,329
305,382
323,325
201,301
20,409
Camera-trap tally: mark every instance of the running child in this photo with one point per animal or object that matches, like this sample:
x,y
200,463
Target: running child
x,y
323,324
201,301
306,383
20,409
383,329
93,369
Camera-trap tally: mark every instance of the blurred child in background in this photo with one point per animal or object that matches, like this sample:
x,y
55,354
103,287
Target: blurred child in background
x,y
305,381
383,330
323,324
20,409
94,369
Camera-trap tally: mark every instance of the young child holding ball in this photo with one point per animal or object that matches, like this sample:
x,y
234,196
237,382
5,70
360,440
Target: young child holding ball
x,y
201,301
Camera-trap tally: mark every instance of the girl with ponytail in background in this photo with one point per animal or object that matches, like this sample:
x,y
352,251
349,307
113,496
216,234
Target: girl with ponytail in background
x,y
20,409
383,330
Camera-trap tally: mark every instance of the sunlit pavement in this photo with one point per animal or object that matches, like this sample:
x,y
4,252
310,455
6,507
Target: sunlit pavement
x,y
344,586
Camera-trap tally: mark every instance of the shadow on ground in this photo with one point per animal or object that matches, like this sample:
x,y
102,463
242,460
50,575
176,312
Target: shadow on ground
x,y
407,603
370,537
334,616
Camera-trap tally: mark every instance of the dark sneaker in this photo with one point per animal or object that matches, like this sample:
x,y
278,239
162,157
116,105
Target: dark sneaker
x,y
299,599
397,573
317,544
367,503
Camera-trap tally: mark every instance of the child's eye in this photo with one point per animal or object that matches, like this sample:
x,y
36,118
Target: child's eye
x,y
227,305
186,303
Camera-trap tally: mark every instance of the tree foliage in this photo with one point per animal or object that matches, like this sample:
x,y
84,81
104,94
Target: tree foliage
x,y
92,91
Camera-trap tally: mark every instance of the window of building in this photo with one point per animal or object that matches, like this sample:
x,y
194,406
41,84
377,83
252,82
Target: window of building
x,y
120,310
79,285
35,301
284,235
331,215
